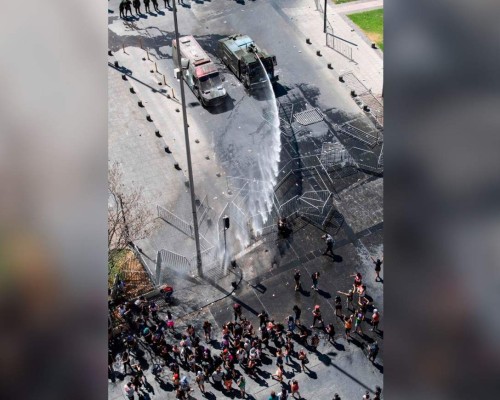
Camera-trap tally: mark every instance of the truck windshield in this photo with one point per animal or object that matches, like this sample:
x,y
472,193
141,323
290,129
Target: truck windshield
x,y
208,82
256,71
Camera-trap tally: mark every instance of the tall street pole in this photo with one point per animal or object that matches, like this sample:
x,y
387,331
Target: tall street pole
x,y
324,18
188,149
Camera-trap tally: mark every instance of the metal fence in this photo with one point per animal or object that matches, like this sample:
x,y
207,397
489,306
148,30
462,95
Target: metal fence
x,y
174,220
173,261
340,45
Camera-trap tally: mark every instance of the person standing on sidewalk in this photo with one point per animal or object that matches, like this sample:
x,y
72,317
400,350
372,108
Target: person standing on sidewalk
x,y
146,6
167,3
200,380
315,277
297,311
378,267
329,244
296,278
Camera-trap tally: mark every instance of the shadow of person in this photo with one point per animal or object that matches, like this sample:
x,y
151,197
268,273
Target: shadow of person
x,y
338,346
337,258
326,295
325,359
380,367
210,396
149,388
311,374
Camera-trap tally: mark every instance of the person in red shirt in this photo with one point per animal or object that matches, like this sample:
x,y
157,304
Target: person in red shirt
x,y
375,320
295,388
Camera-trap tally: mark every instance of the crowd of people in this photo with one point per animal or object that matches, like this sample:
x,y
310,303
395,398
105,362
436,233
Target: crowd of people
x,y
214,360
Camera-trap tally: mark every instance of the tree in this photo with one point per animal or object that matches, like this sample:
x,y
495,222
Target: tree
x,y
128,217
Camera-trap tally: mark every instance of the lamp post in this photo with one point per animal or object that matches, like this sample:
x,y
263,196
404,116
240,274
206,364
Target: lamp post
x,y
188,149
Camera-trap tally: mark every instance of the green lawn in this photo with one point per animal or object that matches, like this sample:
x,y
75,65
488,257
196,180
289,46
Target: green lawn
x,y
342,1
372,24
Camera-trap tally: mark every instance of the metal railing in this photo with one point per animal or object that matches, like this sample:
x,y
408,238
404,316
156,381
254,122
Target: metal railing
x,y
174,220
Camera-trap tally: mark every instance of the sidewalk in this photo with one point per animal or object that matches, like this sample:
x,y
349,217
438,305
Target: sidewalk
x,y
368,62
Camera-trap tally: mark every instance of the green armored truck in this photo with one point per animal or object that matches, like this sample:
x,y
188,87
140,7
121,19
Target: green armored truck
x,y
241,55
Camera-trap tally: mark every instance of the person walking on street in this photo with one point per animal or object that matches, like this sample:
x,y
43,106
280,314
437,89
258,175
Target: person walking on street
x,y
367,396
338,306
357,322
296,278
330,330
378,392
372,351
317,316
207,329
237,311
170,321
283,395
302,356
241,384
129,390
297,312
155,5
358,280
378,267
349,299
146,6
348,327
315,277
272,396
295,388
375,320
315,342
167,3
329,244
200,380
126,362
279,374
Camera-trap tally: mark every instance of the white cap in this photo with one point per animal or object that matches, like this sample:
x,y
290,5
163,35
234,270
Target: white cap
x,y
375,310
